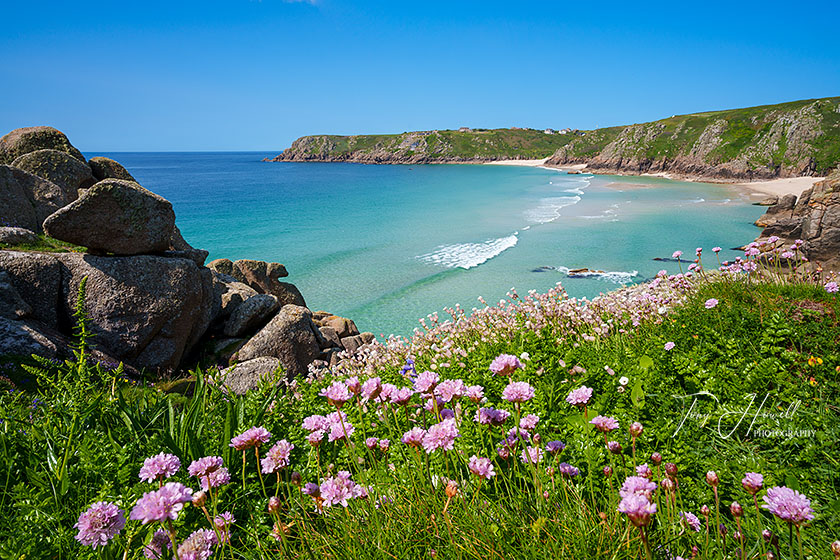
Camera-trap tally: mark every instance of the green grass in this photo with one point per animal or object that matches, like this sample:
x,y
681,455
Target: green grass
x,y
44,244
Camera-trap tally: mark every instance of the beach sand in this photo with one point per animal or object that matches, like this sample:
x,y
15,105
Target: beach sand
x,y
779,187
519,162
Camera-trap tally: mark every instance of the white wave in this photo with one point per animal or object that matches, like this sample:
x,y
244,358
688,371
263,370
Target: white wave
x,y
698,200
526,228
469,255
549,209
618,277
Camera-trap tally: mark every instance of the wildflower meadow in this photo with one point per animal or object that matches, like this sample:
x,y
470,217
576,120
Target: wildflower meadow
x,y
692,416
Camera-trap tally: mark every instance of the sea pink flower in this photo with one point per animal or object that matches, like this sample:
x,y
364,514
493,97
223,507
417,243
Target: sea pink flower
x,y
568,470
644,471
277,457
676,254
710,303
491,416
372,388
637,485
636,429
162,504
531,455
353,385
555,447
712,478
441,436
450,389
316,437
402,396
337,490
99,524
831,287
518,391
339,431
198,546
204,466
716,249
529,422
252,437
788,505
579,396
505,364
482,467
475,393
752,482
223,523
426,381
691,520
414,437
638,509
336,394
669,345
371,442
160,466
311,489
314,423
156,547
604,423
219,477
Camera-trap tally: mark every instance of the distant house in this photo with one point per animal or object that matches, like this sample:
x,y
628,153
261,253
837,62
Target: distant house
x,y
564,131
549,131
465,129
515,128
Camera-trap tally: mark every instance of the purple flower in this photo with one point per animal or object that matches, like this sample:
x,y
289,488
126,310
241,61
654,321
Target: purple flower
x,y
252,437
505,364
440,436
669,346
752,482
277,457
223,523
636,429
450,389
204,466
475,393
482,467
353,385
384,445
372,388
604,423
161,504
555,447
579,396
643,470
711,302
491,416
217,478
311,489
788,505
637,485
314,423
401,396
316,437
518,391
198,546
691,520
568,470
340,431
676,254
716,249
614,447
414,437
426,381
99,524
337,490
161,466
831,287
638,509
529,422
531,455
336,394
159,543
371,443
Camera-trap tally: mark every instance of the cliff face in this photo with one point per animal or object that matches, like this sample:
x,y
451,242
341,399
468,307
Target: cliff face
x,y
786,140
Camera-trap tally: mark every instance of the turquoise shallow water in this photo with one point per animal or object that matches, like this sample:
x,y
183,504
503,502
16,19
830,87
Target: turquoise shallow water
x,y
386,245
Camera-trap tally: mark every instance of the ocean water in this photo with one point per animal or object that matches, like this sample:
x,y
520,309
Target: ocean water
x,y
387,245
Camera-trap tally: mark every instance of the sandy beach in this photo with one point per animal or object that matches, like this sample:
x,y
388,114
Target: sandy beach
x,y
519,162
779,187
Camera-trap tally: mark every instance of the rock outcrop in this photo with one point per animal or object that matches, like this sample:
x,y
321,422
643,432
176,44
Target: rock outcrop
x,y
17,236
59,168
24,140
106,168
289,337
814,218
250,314
115,216
245,376
26,200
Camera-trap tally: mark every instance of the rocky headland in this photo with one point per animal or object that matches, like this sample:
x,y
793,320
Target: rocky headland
x,y
800,138
151,301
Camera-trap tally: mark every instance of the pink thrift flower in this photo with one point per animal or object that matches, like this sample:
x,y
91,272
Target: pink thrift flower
x,y
644,471
414,437
638,509
518,391
252,437
691,520
831,287
198,546
336,394
676,255
531,455
788,505
401,396
711,303
475,393
604,423
160,542
337,490
204,466
491,416
372,388
669,346
450,389
579,396
529,422
568,470
637,485
159,467
339,431
314,423
481,467
555,447
426,381
277,457
716,249
636,429
99,524
223,523
353,385
752,482
217,478
161,504
441,436
316,437
505,364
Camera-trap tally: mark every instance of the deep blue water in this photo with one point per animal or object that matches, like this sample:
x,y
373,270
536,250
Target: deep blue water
x,y
386,245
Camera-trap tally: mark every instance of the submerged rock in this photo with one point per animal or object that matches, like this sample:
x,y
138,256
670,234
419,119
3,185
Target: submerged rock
x,y
115,216
59,168
25,140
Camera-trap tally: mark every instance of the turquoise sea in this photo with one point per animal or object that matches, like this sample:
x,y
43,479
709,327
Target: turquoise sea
x,y
386,245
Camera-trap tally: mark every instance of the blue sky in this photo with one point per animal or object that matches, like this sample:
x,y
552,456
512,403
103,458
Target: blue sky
x,y
249,75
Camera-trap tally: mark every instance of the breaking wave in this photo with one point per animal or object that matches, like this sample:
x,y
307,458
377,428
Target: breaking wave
x,y
618,277
470,255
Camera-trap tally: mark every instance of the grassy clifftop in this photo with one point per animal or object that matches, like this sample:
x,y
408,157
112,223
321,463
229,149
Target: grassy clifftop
x,y
787,139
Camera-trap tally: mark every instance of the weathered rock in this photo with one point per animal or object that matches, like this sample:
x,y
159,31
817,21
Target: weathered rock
x,y
25,200
250,314
222,266
330,337
17,235
59,168
288,294
318,316
780,211
179,245
343,327
24,140
145,310
12,306
22,338
115,216
769,201
225,348
106,168
289,336
367,337
228,294
352,343
37,278
245,376
331,356
261,276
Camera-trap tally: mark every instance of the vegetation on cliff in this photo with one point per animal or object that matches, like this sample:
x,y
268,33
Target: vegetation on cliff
x,y
620,427
786,139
